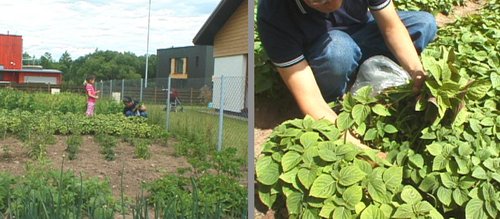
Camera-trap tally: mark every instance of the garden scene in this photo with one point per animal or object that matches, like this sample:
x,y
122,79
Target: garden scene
x,y
442,147
55,162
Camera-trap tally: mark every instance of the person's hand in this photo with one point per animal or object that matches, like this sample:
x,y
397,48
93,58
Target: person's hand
x,y
418,80
97,91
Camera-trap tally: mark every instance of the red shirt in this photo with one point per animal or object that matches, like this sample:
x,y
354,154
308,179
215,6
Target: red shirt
x,y
90,91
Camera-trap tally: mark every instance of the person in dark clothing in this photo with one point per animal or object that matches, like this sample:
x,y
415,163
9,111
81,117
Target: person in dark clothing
x,y
134,108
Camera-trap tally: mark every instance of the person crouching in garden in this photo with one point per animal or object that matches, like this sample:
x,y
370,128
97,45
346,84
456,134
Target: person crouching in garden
x,y
134,108
91,94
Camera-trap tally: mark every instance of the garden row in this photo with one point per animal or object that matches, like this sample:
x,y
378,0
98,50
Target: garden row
x,y
443,145
44,193
64,102
210,189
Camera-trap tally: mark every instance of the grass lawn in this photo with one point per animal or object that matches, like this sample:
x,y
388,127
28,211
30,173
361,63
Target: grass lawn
x,y
201,122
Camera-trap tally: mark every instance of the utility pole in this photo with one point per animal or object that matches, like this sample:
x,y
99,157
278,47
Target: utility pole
x,y
147,49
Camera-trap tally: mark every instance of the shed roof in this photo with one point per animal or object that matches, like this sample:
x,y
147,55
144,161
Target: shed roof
x,y
214,23
49,71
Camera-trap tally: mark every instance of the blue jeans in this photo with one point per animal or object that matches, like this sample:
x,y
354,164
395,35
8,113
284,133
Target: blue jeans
x,y
335,56
139,113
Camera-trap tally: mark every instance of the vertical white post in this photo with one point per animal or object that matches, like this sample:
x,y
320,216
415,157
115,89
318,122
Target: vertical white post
x,y
140,98
123,88
168,102
102,89
147,48
221,114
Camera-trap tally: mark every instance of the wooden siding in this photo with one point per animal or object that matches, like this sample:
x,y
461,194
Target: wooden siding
x,y
232,38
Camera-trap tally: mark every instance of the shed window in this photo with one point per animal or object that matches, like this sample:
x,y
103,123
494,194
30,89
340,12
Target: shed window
x,y
178,67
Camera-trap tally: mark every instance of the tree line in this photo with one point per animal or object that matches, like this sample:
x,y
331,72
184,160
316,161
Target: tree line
x,y
105,65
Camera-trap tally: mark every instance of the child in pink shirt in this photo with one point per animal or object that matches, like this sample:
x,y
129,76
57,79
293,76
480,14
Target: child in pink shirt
x,y
91,94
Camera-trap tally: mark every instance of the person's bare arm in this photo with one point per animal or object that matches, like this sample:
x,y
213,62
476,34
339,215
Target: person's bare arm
x,y
399,42
300,80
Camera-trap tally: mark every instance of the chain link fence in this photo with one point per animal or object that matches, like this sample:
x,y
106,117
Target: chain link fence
x,y
215,113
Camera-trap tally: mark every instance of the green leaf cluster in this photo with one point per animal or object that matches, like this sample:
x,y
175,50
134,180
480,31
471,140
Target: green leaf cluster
x,y
307,165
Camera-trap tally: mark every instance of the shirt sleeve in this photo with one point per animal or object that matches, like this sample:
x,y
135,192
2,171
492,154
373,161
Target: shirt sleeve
x,y
279,36
375,5
89,89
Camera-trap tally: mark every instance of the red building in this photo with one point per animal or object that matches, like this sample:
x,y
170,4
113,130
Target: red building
x,y
11,64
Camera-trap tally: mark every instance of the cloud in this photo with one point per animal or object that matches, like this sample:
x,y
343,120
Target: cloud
x,y
81,26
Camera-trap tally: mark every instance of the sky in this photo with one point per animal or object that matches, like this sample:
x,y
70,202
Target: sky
x,y
82,26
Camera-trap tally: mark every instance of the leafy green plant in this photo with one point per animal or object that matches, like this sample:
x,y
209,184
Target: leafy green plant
x,y
199,197
227,162
54,194
142,148
21,123
74,142
63,102
108,145
434,6
37,145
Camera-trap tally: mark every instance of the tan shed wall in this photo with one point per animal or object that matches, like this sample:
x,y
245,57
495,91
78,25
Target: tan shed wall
x,y
232,38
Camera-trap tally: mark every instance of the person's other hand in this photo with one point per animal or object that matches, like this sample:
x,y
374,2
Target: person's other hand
x,y
418,80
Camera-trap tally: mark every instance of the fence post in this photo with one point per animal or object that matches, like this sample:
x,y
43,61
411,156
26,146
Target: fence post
x,y
123,88
102,89
168,103
140,98
111,88
221,114
191,97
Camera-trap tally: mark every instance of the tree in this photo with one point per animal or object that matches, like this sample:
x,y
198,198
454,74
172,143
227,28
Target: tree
x,y
46,61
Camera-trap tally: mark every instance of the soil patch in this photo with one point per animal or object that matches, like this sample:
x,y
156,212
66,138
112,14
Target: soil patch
x,y
469,8
92,164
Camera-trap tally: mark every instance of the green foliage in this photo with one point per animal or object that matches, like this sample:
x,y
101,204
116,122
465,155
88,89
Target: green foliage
x,y
476,51
108,145
104,64
433,6
40,194
142,148
444,144
212,189
63,102
21,123
199,197
308,166
74,142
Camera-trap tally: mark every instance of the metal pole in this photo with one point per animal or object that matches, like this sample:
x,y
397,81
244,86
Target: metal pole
x,y
147,48
123,88
221,113
111,88
140,98
102,88
168,102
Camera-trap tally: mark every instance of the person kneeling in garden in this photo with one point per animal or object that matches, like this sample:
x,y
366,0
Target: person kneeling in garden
x,y
134,108
318,45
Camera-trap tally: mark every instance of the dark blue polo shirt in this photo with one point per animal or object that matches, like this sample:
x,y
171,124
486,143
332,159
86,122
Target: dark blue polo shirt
x,y
287,27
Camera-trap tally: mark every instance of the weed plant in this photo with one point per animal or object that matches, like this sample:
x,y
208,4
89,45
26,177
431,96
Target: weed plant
x,y
108,145
142,148
74,142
